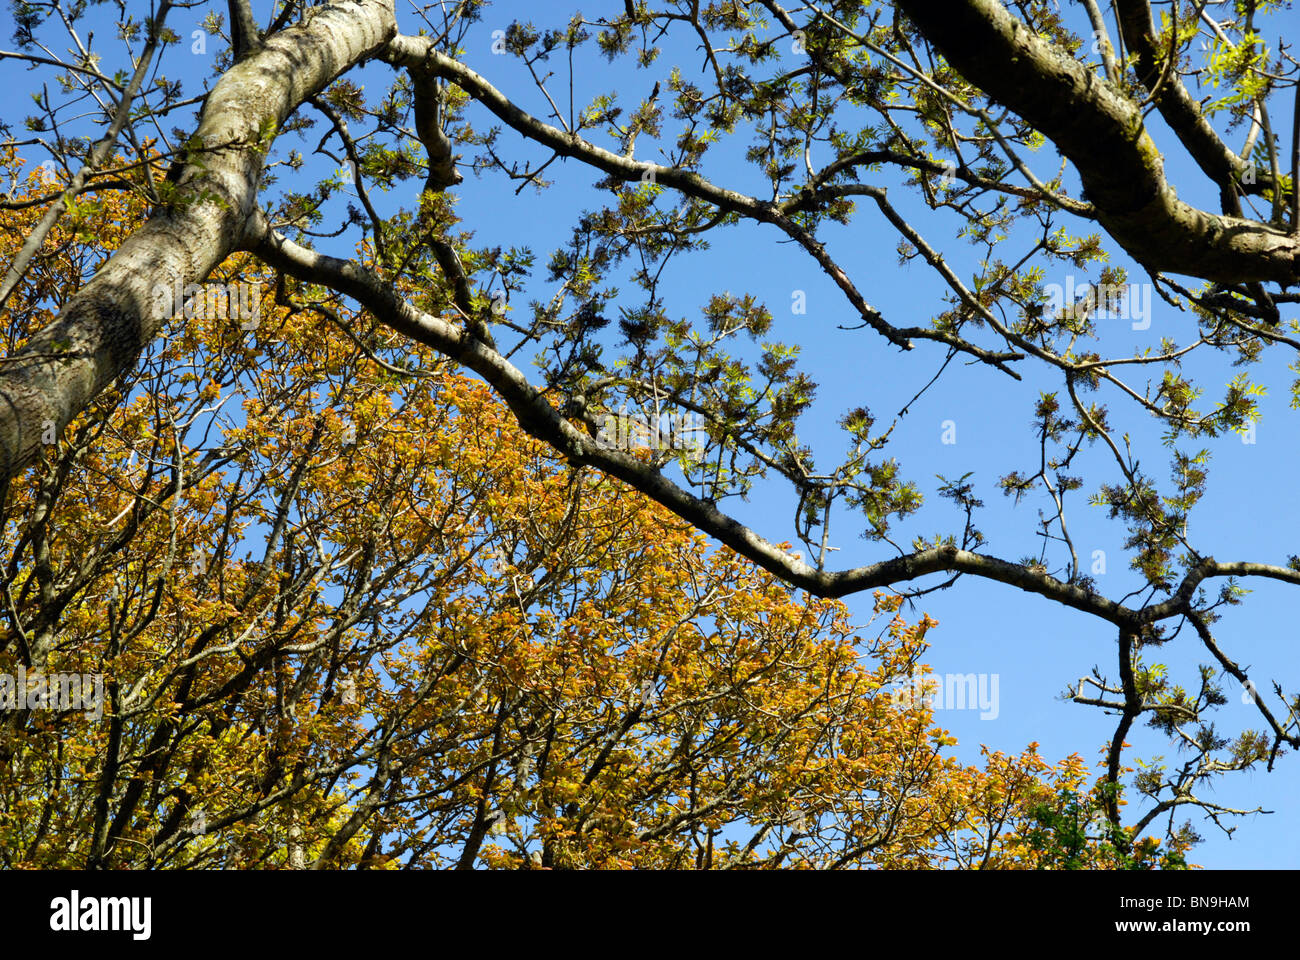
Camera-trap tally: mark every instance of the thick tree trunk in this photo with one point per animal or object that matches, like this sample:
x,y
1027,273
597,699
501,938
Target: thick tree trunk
x,y
101,331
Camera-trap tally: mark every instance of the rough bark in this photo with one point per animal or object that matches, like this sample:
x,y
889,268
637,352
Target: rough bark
x,y
1100,130
100,332
1177,106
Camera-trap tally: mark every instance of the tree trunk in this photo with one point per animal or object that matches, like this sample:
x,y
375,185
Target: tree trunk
x,y
101,331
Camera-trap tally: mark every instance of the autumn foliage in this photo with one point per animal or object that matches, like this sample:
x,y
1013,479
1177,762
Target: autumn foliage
x,y
347,614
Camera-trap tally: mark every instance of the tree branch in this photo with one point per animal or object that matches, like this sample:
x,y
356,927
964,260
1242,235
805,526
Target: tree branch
x,y
1101,132
101,331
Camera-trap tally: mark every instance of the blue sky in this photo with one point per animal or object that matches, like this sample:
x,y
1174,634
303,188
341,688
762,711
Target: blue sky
x,y
1035,647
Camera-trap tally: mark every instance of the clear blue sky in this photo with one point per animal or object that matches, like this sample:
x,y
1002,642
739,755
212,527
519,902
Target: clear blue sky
x,y
1035,647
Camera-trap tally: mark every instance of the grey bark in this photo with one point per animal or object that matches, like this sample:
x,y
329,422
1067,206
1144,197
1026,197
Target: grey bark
x,y
100,332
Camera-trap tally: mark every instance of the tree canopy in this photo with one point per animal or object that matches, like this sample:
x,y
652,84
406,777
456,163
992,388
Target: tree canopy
x,y
449,648
242,303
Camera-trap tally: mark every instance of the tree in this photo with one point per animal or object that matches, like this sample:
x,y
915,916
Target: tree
x,y
952,103
1061,840
393,630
